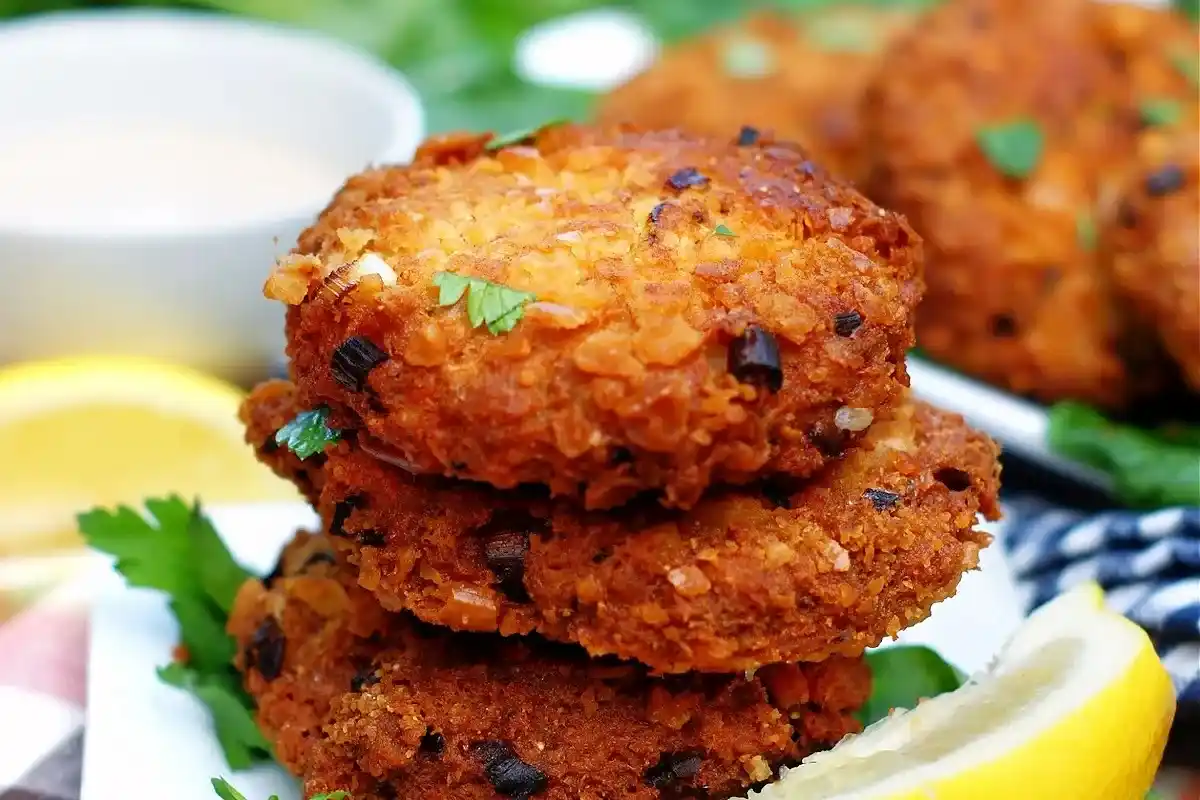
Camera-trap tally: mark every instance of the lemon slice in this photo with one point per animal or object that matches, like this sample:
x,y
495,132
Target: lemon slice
x,y
99,431
1077,705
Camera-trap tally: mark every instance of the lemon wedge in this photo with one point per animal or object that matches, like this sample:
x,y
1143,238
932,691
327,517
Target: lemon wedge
x,y
99,431
1077,705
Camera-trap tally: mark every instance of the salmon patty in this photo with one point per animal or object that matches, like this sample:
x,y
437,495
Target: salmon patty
x,y
603,311
382,706
767,573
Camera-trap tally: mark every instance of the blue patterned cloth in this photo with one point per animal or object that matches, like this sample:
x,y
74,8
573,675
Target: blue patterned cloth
x,y
1148,563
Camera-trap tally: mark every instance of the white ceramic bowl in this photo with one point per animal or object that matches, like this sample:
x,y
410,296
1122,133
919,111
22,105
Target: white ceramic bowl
x,y
186,289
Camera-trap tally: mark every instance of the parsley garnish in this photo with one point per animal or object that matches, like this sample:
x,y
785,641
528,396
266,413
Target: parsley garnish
x,y
748,58
502,140
1014,147
1188,65
178,552
1189,8
226,792
493,304
723,230
1085,230
1160,111
308,434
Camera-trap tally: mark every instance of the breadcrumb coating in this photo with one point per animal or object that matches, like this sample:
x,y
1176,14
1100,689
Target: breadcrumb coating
x,y
799,75
688,324
385,707
749,576
1153,239
1017,292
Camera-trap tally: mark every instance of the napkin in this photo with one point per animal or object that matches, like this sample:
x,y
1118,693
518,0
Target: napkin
x,y
1147,562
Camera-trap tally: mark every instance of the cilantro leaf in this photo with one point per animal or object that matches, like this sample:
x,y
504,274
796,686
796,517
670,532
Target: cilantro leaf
x,y
723,230
233,720
901,675
1014,148
1189,8
308,434
748,59
492,304
1149,469
1160,111
177,551
520,136
1085,230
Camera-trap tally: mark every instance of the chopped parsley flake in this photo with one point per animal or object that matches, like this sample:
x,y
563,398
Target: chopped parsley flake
x,y
521,136
723,230
1160,111
748,59
1085,230
492,304
1014,148
308,434
1188,64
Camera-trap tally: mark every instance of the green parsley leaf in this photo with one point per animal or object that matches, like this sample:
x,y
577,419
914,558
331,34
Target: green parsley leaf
x,y
1149,468
1085,230
1160,111
901,675
233,719
520,136
1189,8
225,791
723,230
748,59
1188,64
178,552
491,304
1013,147
308,434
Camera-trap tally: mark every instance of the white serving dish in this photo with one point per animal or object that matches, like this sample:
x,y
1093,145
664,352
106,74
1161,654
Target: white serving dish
x,y
188,292
152,740
1019,425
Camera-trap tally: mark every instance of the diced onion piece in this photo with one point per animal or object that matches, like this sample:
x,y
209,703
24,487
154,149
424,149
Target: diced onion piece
x,y
853,419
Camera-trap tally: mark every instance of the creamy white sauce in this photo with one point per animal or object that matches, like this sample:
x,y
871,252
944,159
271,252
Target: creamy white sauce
x,y
146,175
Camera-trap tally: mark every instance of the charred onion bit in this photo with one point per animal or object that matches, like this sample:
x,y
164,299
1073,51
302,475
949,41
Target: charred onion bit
x,y
672,768
747,136
342,511
754,358
371,539
686,178
847,323
265,651
433,742
362,678
1164,181
505,554
656,213
353,360
881,499
509,775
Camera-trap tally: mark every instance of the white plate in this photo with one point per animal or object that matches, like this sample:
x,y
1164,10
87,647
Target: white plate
x,y
146,739
1019,425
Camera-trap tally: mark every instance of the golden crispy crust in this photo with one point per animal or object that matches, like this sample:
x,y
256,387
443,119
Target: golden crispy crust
x,y
385,707
815,67
1154,241
619,378
739,581
1017,296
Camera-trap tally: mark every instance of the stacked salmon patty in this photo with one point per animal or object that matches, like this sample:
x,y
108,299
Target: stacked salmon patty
x,y
609,436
